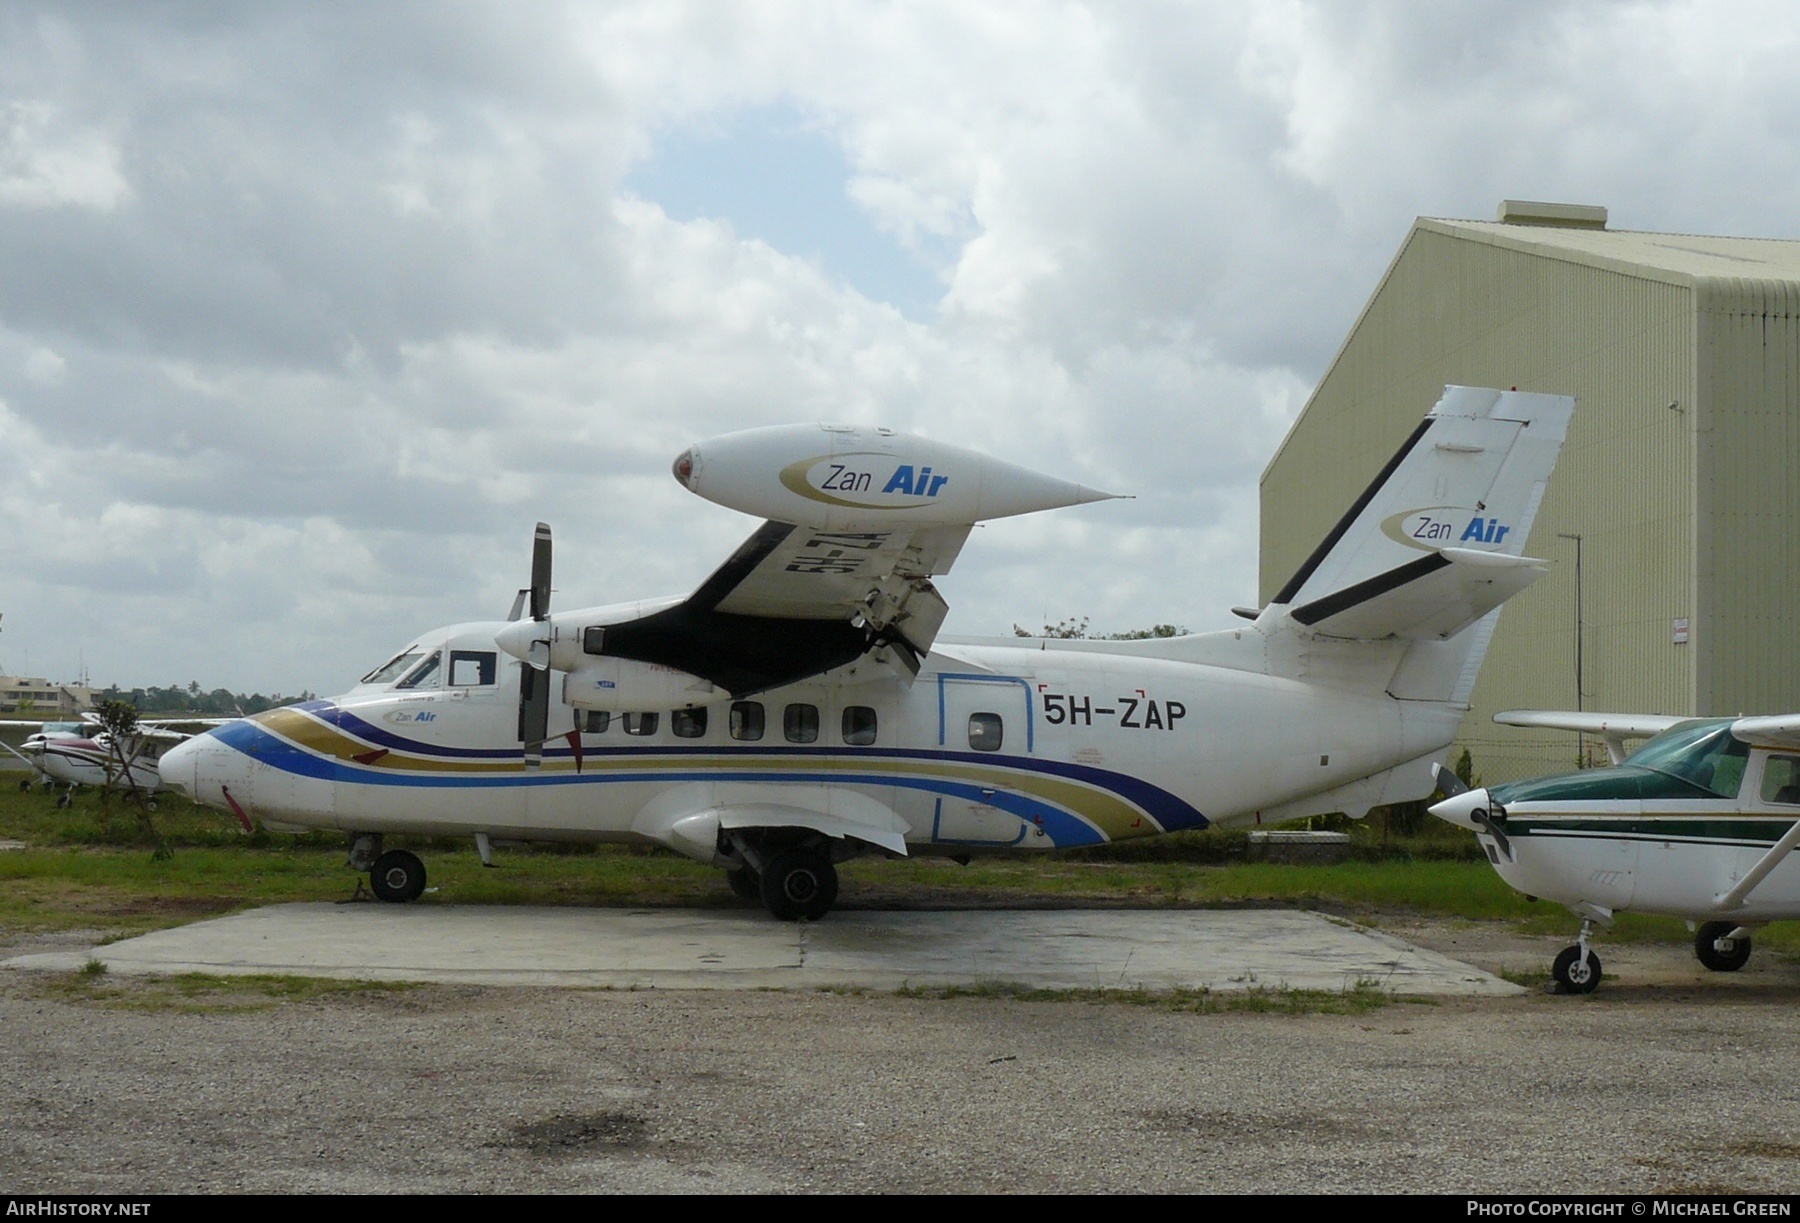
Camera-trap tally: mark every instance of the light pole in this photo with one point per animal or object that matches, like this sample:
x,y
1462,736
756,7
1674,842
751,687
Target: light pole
x,y
1580,678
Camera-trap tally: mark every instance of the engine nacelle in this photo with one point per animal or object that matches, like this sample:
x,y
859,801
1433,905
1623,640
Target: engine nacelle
x,y
624,685
842,476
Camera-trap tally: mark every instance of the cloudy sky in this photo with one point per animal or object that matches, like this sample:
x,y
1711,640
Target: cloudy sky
x,y
308,312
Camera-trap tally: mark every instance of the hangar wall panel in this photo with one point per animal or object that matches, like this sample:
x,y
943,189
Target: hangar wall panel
x,y
1749,451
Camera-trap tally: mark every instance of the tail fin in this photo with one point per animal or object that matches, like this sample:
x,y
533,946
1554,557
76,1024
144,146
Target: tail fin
x,y
1434,544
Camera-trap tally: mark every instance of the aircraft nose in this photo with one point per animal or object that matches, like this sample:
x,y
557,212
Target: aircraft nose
x,y
180,765
1458,810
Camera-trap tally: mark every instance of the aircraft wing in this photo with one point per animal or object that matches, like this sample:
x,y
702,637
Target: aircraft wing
x,y
1777,730
795,601
1608,725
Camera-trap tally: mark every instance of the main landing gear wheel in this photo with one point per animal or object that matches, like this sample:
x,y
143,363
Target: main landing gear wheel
x,y
1719,953
745,885
1575,975
397,876
799,883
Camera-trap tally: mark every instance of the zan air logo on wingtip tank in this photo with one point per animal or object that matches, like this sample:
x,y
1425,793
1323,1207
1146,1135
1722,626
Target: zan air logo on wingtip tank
x,y
866,481
1445,526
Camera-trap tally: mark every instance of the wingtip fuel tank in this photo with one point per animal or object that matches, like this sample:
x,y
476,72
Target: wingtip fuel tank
x,y
840,476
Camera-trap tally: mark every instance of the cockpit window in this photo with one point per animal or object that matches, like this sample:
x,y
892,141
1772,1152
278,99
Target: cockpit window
x,y
1704,754
472,668
424,674
396,666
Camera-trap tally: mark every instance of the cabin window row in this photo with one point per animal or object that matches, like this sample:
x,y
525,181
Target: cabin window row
x,y
747,722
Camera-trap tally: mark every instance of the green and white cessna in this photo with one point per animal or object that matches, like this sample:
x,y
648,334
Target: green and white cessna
x,y
1698,823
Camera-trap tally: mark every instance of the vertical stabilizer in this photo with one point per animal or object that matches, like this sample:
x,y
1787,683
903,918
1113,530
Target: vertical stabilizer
x,y
1434,545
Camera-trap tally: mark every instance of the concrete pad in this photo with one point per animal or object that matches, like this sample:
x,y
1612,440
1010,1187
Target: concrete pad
x,y
1218,949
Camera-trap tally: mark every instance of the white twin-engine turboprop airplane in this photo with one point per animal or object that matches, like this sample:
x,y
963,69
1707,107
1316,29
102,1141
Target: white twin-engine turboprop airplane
x,y
1698,823
798,709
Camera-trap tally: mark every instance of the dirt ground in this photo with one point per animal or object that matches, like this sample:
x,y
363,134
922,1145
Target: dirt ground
x,y
1668,1079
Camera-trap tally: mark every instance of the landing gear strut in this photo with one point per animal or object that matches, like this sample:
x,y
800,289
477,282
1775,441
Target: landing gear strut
x,y
1577,969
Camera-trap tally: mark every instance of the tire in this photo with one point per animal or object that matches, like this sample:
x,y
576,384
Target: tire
x,y
799,883
397,877
1571,976
745,885
1718,952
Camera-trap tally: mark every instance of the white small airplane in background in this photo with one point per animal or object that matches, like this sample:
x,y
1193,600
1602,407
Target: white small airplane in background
x,y
73,754
1698,824
799,709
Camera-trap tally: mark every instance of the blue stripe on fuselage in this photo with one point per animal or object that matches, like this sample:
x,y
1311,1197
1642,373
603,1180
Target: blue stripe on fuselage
x,y
1062,826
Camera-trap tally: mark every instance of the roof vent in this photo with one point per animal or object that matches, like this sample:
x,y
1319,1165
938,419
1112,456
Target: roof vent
x,y
1561,216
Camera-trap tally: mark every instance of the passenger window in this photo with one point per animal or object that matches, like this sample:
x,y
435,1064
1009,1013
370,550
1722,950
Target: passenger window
x,y
688,723
1781,780
595,721
423,672
472,668
640,723
859,725
986,732
800,723
747,720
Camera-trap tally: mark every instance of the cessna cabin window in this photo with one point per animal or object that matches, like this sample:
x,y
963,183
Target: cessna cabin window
x,y
425,674
394,667
986,732
1781,780
640,723
747,720
800,723
595,721
472,668
688,723
859,725
1705,754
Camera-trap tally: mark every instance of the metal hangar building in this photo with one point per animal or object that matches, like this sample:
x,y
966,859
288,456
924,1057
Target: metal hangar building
x,y
1673,519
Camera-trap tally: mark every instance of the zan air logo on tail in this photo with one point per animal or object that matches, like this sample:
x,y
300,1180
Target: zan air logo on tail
x,y
1446,526
866,481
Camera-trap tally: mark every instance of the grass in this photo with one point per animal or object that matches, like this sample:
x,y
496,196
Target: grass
x,y
200,993
81,869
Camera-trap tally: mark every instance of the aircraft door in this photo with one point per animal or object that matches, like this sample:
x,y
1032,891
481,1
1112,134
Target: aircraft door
x,y
983,719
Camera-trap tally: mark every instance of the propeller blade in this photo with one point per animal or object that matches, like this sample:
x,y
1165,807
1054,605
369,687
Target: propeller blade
x,y
1448,782
518,607
540,573
534,706
534,672
1491,826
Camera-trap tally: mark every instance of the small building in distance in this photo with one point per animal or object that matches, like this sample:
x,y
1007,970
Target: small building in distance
x,y
1676,490
22,695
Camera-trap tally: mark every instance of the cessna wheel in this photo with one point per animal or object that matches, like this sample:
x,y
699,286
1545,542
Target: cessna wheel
x,y
397,876
799,883
745,885
1719,953
1573,975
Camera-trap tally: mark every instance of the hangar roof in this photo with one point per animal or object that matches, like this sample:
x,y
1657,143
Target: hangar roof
x,y
1679,258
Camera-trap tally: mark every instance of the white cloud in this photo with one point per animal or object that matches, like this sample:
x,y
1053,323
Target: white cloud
x,y
307,315
44,163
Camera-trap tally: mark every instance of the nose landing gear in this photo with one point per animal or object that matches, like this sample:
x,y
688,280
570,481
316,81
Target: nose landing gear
x,y
1577,969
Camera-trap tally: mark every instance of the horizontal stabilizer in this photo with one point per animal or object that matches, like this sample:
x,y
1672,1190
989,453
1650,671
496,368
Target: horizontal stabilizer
x,y
1431,598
